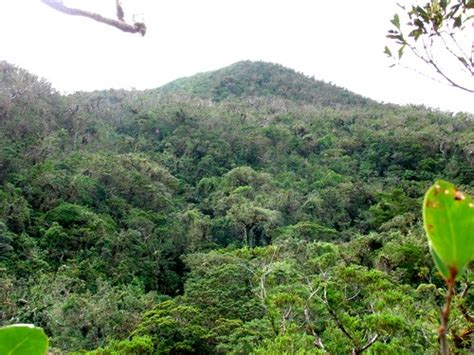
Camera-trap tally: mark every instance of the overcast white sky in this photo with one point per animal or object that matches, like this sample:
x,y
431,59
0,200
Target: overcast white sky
x,y
337,41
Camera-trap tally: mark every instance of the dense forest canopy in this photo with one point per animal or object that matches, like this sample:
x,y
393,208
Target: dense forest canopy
x,y
246,210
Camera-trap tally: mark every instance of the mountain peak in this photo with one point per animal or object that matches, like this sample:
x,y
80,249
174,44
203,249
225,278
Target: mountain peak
x,y
257,79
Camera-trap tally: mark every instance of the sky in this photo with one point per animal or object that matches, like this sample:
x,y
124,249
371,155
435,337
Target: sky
x,y
340,42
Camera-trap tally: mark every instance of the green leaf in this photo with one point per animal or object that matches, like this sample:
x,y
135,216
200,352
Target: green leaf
x,y
421,26
387,51
443,269
400,52
458,21
396,21
398,37
448,218
443,4
419,11
464,62
23,339
415,34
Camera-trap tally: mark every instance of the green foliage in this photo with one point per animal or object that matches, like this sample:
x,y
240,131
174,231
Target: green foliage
x,y
78,317
23,339
135,346
307,230
173,328
391,205
221,289
405,258
245,338
296,343
72,228
448,216
250,209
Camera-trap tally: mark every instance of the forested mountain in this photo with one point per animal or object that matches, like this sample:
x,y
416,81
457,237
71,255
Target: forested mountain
x,y
246,210
259,79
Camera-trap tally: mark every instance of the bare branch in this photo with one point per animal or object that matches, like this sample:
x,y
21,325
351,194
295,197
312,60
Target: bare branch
x,y
307,317
470,64
369,343
448,79
460,57
463,308
431,27
429,60
339,324
137,27
466,289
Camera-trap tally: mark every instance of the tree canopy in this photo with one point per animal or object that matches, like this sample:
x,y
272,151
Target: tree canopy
x,y
215,216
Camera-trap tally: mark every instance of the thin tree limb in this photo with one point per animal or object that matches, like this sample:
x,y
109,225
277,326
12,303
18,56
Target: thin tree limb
x,y
438,70
463,308
460,57
448,79
425,24
443,330
137,27
307,316
336,319
369,343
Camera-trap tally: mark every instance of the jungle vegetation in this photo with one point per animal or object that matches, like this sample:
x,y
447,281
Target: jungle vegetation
x,y
247,210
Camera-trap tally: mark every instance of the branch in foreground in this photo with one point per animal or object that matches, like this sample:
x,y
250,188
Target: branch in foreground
x,y
137,27
443,330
